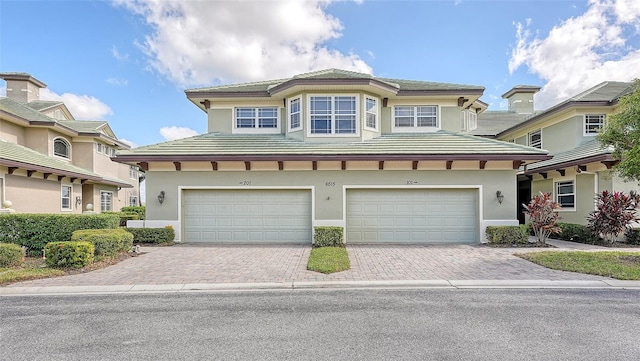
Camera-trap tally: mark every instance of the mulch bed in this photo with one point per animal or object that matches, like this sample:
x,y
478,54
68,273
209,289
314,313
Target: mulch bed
x,y
519,245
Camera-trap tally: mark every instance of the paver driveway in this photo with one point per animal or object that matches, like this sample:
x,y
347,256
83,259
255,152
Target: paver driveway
x,y
188,263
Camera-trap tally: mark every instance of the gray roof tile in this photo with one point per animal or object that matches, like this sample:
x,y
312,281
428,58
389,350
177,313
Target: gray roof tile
x,y
589,149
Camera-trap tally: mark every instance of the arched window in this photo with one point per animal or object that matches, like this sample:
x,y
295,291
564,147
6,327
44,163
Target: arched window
x,y
61,148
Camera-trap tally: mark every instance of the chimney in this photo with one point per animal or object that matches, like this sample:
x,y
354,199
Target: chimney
x,y
22,87
520,98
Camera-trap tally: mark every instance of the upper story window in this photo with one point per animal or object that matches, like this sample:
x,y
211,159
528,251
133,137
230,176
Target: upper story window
x,y
333,115
371,109
415,118
99,147
295,114
61,148
133,172
535,139
565,194
257,120
468,120
593,123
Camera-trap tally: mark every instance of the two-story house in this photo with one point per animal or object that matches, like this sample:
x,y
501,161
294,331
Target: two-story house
x,y
580,166
53,163
384,158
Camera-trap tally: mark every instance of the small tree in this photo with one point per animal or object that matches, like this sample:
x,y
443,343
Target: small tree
x,y
543,216
615,211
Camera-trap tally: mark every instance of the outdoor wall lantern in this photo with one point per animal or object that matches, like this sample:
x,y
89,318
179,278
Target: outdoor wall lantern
x,y
161,197
78,201
500,196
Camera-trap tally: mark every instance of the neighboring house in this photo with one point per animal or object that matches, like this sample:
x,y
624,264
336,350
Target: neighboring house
x,y
52,163
580,166
384,158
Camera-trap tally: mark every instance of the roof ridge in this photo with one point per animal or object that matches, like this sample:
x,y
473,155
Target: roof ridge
x,y
27,108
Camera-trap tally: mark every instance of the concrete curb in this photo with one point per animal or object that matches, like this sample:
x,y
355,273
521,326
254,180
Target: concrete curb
x,y
275,286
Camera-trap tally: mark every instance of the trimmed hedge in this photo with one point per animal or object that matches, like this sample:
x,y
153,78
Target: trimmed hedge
x,y
106,242
34,231
141,211
507,234
124,217
69,254
11,255
576,233
328,236
632,236
152,235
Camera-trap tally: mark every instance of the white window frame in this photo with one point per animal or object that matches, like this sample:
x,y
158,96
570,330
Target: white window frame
x,y
290,114
135,201
69,206
133,172
414,128
256,129
103,203
374,112
585,129
99,147
68,145
530,135
332,116
557,195
468,120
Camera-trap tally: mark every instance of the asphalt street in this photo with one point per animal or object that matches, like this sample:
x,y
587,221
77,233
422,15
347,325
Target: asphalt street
x,y
374,324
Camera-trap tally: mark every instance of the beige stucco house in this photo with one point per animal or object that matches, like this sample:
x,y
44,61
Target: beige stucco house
x,y
53,163
387,159
580,166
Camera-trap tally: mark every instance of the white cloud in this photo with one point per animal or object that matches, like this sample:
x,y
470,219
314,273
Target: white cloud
x,y
129,143
174,132
117,55
83,107
202,43
118,81
582,51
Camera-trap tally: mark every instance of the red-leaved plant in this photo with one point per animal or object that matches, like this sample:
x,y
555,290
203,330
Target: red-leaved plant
x,y
543,216
615,211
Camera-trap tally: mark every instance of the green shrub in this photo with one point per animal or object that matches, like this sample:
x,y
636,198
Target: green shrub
x,y
141,211
11,255
69,254
507,234
576,233
328,236
152,235
632,235
124,217
106,242
34,231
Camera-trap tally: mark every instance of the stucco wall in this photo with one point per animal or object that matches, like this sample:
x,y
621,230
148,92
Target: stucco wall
x,y
37,195
11,132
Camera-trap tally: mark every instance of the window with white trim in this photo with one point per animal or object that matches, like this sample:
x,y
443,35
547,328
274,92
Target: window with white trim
x,y
65,198
295,114
593,123
106,201
133,201
371,113
133,172
61,148
535,139
99,148
333,114
256,118
417,116
468,120
565,194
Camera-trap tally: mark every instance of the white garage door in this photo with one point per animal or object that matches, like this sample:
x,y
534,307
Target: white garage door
x,y
412,216
247,216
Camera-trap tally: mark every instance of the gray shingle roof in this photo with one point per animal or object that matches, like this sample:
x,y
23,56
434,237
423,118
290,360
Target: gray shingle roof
x,y
40,105
491,123
23,111
589,149
12,154
84,126
428,144
400,84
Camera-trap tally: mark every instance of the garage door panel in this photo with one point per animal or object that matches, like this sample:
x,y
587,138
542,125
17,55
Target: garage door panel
x,y
412,216
253,216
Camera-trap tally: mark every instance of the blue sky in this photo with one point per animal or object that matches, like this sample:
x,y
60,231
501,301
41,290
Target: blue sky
x,y
129,62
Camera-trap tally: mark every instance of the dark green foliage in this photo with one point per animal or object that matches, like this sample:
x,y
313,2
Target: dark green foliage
x,y
69,254
34,231
106,242
577,233
139,210
328,236
11,255
507,234
125,216
632,236
152,235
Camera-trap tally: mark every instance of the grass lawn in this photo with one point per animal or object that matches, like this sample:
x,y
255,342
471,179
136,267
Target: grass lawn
x,y
619,265
328,260
33,268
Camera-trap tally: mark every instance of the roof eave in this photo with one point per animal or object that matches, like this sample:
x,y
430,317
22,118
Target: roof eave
x,y
572,163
